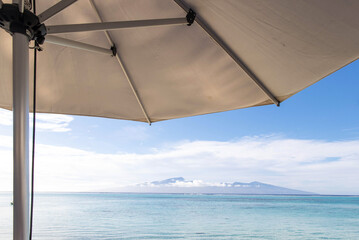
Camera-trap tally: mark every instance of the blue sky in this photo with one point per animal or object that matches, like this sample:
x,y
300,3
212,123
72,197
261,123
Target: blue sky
x,y
310,142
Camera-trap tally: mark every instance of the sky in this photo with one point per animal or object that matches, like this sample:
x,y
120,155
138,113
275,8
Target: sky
x,y
310,143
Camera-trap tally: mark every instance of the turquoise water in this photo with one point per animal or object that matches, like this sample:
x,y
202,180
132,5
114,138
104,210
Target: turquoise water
x,y
174,216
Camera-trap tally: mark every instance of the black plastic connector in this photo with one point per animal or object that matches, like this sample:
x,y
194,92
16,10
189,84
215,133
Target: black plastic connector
x,y
27,23
114,50
191,16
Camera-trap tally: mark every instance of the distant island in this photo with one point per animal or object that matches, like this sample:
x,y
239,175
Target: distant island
x,y
180,185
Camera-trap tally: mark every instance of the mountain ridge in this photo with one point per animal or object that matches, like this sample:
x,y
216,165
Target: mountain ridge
x,y
181,185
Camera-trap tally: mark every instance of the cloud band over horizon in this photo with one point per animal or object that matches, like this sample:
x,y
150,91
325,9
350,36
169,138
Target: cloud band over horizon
x,y
326,167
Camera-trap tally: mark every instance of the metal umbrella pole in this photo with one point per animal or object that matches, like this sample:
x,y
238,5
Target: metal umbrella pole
x,y
21,136
20,133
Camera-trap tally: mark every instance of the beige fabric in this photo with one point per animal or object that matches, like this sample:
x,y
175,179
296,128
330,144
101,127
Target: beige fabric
x,y
180,71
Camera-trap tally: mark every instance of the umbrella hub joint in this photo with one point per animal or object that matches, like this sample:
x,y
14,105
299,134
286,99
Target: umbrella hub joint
x,y
191,16
27,23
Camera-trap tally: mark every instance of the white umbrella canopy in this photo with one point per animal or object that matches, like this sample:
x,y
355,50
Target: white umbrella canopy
x,y
178,71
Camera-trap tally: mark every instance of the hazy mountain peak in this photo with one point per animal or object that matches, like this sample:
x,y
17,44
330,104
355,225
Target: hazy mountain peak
x,y
255,182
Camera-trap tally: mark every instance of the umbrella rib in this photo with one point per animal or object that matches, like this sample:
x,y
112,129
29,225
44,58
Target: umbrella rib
x,y
231,53
119,60
52,11
88,27
78,45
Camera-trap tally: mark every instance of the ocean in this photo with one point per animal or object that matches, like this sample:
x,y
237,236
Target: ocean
x,y
176,216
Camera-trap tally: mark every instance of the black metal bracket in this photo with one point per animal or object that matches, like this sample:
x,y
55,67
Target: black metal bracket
x,y
114,50
191,16
27,23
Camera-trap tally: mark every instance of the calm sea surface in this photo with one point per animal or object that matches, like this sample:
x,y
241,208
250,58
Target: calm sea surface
x,y
172,216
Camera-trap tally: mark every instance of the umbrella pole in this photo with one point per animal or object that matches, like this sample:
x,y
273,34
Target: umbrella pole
x,y
21,136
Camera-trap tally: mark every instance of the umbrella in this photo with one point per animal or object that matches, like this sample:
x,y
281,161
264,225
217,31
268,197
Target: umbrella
x,y
156,60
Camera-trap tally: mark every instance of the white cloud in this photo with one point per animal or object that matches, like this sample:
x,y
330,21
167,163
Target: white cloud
x,y
310,165
5,141
53,122
193,183
44,122
5,117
